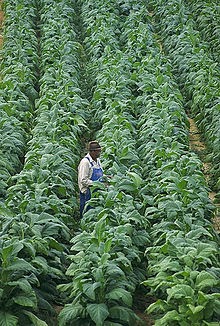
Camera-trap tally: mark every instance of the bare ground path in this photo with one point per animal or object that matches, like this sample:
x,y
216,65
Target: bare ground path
x,y
198,146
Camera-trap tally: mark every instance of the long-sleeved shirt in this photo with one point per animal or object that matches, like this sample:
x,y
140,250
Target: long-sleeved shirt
x,y
85,172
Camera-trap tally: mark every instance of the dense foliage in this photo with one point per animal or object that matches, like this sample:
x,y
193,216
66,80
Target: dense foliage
x,y
128,73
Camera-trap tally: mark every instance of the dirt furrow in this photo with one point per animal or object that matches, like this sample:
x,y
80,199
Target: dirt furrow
x,y
198,146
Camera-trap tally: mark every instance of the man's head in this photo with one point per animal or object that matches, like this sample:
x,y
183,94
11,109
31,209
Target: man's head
x,y
94,149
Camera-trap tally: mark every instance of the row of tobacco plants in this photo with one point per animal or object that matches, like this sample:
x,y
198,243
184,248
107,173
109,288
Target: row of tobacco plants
x,y
41,123
198,73
156,207
183,259
18,92
150,221
207,15
18,81
107,256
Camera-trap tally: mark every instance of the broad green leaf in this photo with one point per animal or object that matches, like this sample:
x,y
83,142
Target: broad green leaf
x,y
120,294
27,301
108,244
216,305
100,229
159,305
123,314
64,287
104,258
167,264
55,244
7,319
205,280
11,251
199,232
127,185
135,178
30,248
98,313
160,79
35,320
169,318
180,291
40,262
89,289
20,264
22,283
62,190
97,96
114,271
150,210
196,309
202,298
69,313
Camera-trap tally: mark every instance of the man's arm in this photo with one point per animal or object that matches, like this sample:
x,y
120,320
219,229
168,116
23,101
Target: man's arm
x,y
84,175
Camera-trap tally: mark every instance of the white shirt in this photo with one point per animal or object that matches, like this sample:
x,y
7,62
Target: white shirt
x,y
85,172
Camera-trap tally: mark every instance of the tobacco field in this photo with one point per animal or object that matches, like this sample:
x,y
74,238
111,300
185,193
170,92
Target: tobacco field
x,y
131,74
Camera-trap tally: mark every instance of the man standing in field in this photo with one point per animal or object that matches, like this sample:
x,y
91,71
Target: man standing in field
x,y
89,170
